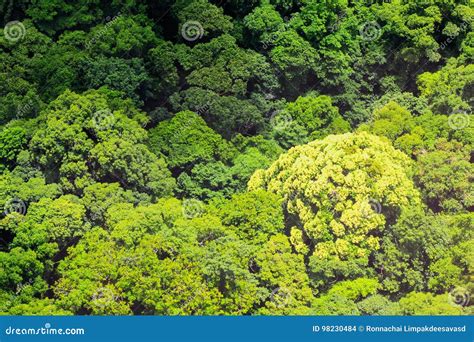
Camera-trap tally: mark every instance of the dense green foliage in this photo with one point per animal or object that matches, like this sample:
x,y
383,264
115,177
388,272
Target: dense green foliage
x,y
263,157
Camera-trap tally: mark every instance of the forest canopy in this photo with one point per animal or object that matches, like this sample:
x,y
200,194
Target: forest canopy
x,y
263,157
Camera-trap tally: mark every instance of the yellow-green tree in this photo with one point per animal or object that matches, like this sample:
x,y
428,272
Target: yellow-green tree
x,y
340,193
